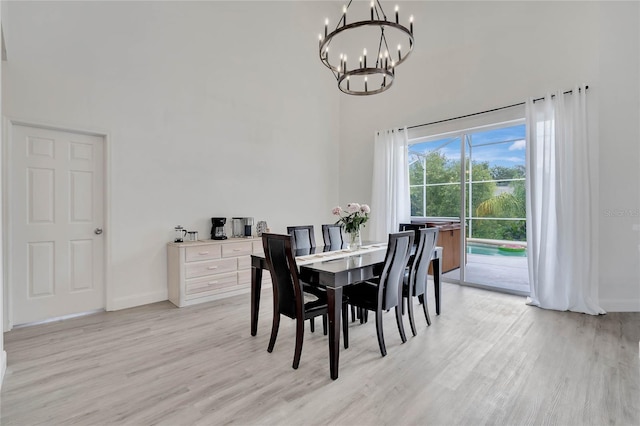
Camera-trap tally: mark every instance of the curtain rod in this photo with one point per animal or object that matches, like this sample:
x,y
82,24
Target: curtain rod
x,y
487,111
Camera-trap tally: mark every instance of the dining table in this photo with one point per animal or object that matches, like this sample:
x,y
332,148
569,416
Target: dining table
x,y
333,268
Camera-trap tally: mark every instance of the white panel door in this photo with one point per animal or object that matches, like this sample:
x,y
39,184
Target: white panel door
x,y
56,246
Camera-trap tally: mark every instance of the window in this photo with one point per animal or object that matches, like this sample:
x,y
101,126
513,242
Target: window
x,y
493,162
434,178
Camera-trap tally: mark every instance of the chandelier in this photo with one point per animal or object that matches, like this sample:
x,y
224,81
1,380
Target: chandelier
x,y
372,39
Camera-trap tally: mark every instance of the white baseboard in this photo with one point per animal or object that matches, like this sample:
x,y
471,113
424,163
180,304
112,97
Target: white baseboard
x,y
3,366
137,300
620,305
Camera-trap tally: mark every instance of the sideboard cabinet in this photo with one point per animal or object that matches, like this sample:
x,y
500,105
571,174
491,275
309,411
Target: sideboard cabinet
x,y
201,271
448,239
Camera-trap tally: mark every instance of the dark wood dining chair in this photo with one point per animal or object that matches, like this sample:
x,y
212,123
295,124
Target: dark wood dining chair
x,y
332,235
415,227
304,240
415,281
303,236
289,298
385,292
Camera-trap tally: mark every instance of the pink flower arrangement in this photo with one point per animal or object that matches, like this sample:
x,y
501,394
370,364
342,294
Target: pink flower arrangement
x,y
355,216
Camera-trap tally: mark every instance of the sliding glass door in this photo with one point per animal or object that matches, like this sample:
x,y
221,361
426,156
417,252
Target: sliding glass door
x,y
434,168
483,227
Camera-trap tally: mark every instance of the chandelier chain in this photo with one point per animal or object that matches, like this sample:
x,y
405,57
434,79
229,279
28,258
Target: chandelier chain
x,y
381,10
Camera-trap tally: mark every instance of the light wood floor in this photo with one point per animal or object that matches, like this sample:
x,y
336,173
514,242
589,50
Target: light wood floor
x,y
488,359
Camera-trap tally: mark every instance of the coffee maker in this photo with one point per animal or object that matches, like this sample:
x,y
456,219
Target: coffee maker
x,y
217,228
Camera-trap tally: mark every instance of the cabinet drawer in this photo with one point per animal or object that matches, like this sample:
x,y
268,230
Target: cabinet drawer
x,y
202,252
210,267
197,287
236,249
244,262
244,278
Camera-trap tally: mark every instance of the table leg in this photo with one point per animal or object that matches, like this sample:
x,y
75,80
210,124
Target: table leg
x,y
334,300
437,283
256,286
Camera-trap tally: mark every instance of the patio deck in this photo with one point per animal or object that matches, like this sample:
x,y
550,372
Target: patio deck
x,y
503,272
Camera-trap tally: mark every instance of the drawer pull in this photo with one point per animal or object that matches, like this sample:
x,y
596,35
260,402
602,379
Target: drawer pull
x,y
202,253
212,267
237,249
212,282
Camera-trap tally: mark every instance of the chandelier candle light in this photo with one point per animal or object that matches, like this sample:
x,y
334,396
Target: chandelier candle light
x,y
353,218
375,34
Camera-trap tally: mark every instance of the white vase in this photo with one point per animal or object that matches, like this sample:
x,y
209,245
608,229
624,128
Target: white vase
x,y
355,241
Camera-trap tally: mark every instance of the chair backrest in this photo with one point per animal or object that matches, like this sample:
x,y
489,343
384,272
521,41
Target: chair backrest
x,y
303,236
415,227
332,235
287,290
398,249
420,266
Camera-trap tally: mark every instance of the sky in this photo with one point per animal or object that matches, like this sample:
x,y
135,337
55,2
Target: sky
x,y
509,154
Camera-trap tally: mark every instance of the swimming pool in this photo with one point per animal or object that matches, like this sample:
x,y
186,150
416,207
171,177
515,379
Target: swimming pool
x,y
491,250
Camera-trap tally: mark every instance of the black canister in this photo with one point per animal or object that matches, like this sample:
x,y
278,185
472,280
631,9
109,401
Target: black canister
x,y
248,225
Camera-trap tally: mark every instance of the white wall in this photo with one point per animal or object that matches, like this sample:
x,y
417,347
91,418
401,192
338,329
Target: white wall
x,y
3,354
474,56
212,109
619,121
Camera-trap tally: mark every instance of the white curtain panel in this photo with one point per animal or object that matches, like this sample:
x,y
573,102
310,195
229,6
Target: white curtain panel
x,y
390,204
560,221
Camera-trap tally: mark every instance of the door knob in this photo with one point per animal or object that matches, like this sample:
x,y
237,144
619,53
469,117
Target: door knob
x,y
98,231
